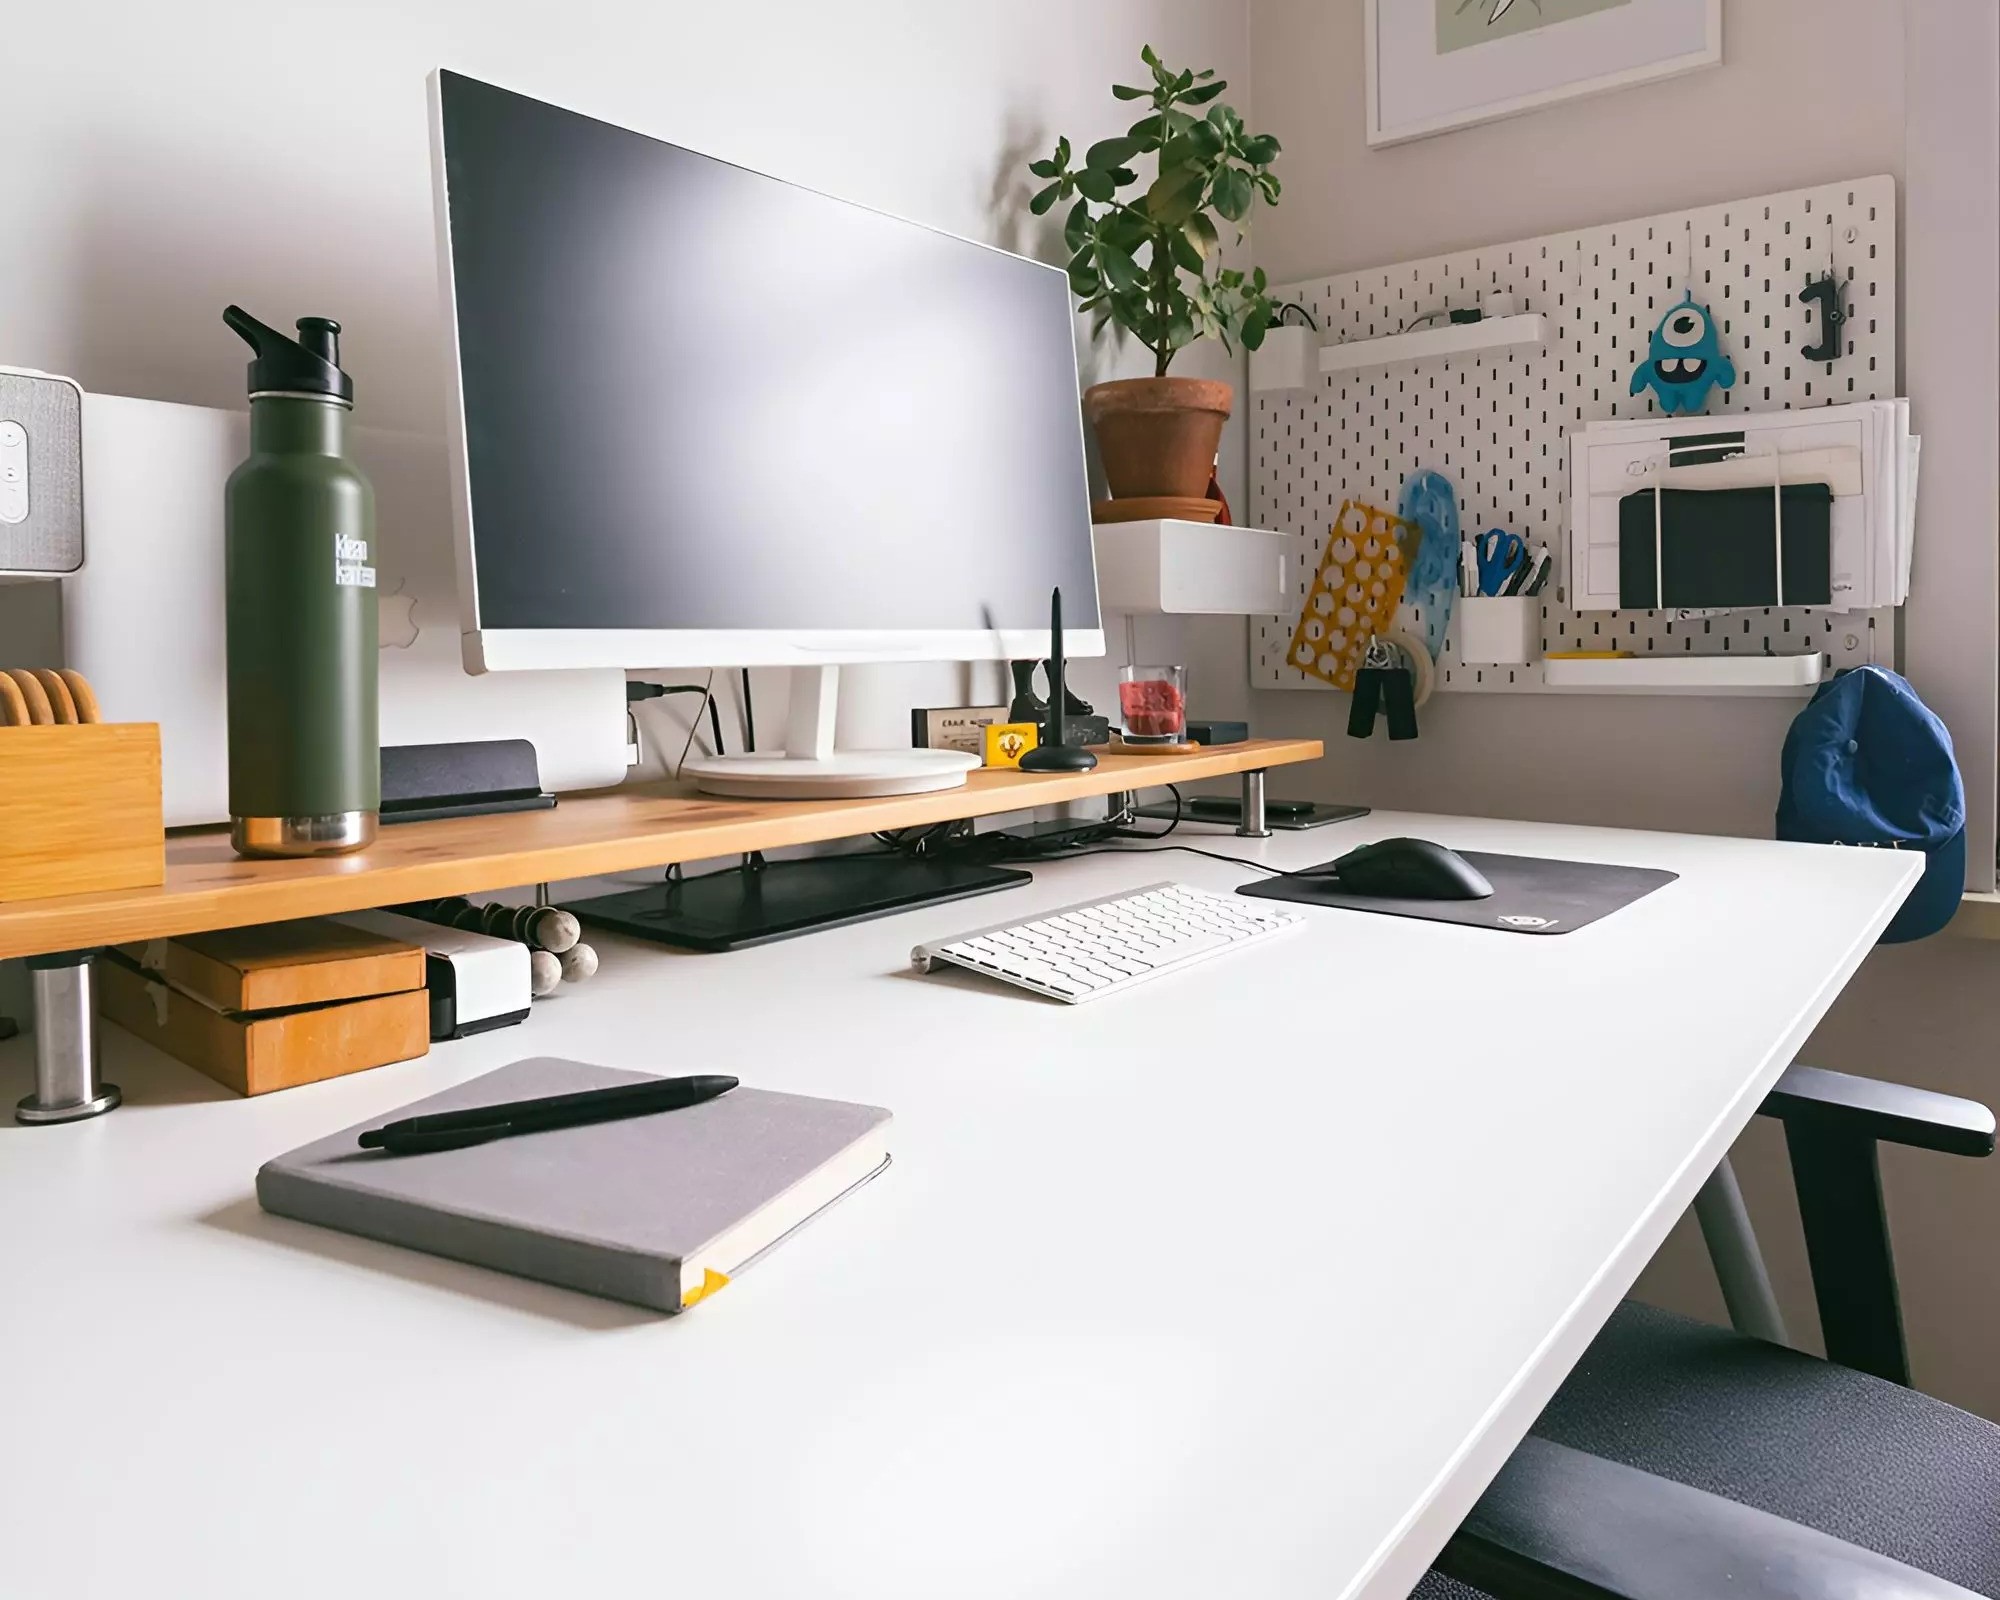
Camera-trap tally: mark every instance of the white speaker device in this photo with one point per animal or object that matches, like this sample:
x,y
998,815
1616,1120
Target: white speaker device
x,y
143,621
477,983
41,474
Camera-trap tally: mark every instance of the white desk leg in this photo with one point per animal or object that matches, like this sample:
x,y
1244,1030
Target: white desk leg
x,y
1739,1264
66,1081
1252,824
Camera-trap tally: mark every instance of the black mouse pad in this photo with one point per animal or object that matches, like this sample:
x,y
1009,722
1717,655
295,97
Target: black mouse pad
x,y
1530,894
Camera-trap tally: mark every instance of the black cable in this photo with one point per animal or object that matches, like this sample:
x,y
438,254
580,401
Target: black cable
x,y
749,715
653,691
694,722
1172,823
1163,849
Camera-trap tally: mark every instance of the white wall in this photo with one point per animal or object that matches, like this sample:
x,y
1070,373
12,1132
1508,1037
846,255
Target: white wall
x,y
1811,90
165,161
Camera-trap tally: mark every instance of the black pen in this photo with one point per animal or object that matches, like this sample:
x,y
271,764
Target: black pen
x,y
453,1130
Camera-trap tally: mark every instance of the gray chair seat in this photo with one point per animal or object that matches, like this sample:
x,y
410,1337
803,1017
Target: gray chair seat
x,y
1864,1460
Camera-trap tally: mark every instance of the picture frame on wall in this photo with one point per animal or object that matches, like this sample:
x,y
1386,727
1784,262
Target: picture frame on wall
x,y
1434,65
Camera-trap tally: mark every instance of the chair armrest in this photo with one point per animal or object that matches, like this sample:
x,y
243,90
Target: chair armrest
x,y
1560,1524
1839,1103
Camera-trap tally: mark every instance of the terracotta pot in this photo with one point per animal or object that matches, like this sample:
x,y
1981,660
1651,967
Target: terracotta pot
x,y
1158,436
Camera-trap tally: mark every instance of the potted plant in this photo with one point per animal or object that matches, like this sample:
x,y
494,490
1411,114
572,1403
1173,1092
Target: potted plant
x,y
1148,259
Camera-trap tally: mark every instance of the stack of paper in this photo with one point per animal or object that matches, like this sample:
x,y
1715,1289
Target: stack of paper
x,y
1864,453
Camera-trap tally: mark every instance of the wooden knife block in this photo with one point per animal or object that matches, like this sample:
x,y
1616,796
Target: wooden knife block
x,y
80,809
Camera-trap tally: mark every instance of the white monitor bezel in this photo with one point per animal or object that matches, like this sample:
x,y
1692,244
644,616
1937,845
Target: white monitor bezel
x,y
545,649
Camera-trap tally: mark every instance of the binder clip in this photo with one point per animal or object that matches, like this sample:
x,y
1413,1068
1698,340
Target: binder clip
x,y
1383,683
1829,293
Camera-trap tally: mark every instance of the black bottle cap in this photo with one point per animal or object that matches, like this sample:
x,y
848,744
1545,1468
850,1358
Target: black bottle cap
x,y
309,364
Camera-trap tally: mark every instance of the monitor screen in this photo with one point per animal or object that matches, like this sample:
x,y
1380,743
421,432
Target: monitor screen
x,y
695,398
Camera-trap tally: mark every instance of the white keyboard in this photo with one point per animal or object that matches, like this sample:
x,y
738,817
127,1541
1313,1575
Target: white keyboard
x,y
1087,951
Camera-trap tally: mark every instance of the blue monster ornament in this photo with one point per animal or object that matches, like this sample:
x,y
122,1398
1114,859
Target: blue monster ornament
x,y
1685,360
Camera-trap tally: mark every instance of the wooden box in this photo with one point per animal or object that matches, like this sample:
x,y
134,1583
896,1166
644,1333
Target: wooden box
x,y
314,961
271,1007
80,809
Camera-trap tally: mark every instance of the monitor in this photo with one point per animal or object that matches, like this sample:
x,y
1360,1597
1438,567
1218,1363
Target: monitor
x,y
703,417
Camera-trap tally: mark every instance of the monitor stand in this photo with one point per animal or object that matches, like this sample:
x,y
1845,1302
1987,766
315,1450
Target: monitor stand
x,y
809,768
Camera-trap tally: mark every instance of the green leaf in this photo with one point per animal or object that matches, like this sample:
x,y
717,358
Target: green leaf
x,y
1200,234
1260,150
1267,183
1131,311
1204,139
1232,193
1119,269
1044,169
1203,93
1124,91
1083,282
1176,122
1109,153
1253,330
1174,196
1126,229
1062,152
1076,227
1147,55
1186,254
1045,199
1145,133
1095,185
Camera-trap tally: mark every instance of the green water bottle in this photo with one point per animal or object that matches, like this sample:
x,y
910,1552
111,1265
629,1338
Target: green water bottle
x,y
305,759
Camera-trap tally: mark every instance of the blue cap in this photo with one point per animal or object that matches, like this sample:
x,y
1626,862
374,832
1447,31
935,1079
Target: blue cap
x,y
1868,763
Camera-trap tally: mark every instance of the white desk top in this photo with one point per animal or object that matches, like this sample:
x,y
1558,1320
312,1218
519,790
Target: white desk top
x,y
1242,1283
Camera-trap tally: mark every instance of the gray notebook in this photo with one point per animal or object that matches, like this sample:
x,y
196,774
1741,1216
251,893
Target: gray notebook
x,y
659,1211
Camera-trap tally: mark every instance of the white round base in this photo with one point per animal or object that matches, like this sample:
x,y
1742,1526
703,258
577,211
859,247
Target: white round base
x,y
845,775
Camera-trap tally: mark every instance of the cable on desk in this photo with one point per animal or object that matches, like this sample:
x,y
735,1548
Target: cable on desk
x,y
749,708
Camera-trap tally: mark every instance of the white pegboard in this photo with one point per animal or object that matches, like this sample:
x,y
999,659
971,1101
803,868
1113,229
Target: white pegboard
x,y
1496,424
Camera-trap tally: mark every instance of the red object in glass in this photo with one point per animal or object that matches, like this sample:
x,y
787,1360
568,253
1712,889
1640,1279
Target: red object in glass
x,y
1153,708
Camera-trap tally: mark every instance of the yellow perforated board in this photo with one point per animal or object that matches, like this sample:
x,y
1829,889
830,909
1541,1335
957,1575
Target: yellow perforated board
x,y
1355,593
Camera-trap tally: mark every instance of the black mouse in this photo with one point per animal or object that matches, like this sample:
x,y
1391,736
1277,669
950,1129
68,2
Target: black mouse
x,y
1408,869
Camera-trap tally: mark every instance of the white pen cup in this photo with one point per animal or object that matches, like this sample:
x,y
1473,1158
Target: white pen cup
x,y
1498,630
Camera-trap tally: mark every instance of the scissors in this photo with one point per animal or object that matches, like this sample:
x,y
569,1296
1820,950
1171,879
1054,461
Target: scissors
x,y
1501,555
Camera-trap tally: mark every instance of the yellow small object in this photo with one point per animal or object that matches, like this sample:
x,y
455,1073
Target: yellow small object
x,y
1587,655
711,1280
1007,742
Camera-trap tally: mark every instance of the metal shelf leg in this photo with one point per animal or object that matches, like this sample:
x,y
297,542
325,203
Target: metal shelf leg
x,y
1252,825
67,1087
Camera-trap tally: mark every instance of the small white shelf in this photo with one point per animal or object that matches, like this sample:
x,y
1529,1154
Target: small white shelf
x,y
1171,567
1453,339
1719,675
